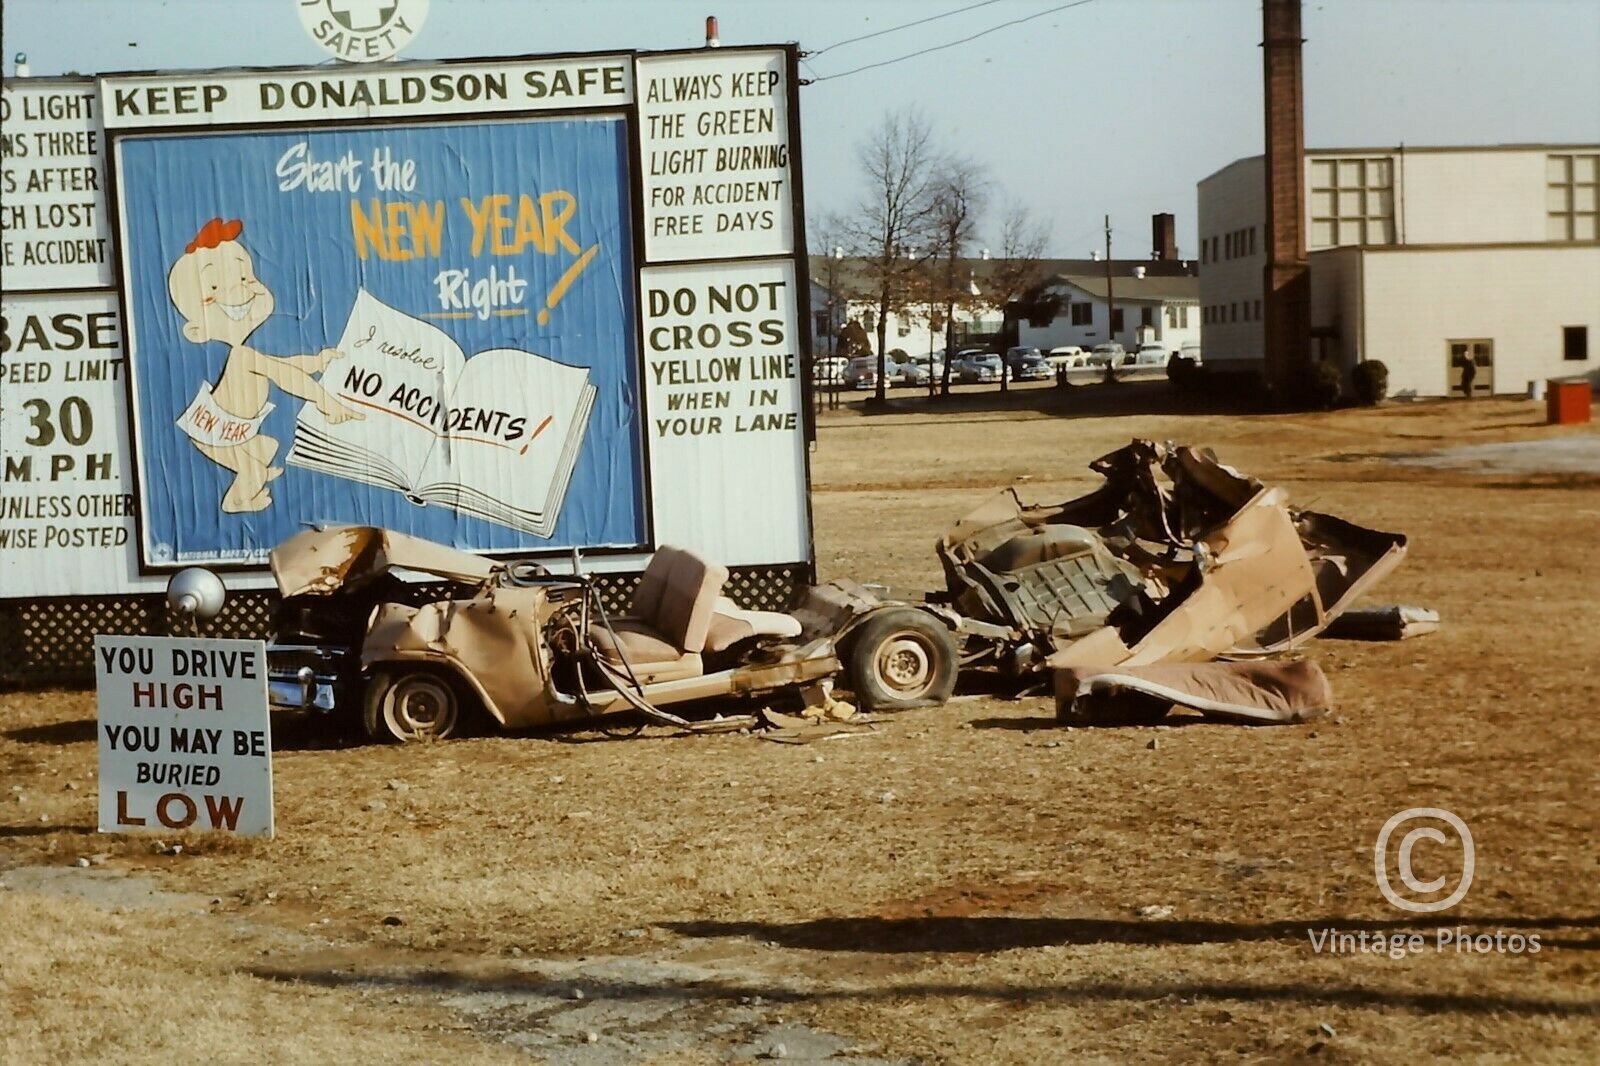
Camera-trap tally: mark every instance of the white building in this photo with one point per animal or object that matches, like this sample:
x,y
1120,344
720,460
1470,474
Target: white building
x,y
841,293
1140,308
1421,258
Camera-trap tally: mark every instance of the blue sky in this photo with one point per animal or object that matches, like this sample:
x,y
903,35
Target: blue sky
x,y
1111,107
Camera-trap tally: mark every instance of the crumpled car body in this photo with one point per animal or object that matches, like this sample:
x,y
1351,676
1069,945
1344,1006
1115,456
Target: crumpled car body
x,y
1175,558
357,603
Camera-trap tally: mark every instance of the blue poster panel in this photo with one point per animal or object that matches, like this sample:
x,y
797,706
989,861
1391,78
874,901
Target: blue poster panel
x,y
429,327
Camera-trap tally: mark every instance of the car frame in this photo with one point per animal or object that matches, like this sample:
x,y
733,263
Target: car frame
x,y
406,637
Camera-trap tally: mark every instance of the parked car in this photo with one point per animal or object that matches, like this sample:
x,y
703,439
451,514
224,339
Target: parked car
x,y
1111,354
829,370
933,365
1191,351
1068,356
1150,356
1029,365
862,373
909,372
978,367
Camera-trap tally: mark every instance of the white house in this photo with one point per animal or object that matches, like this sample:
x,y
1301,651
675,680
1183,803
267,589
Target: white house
x,y
841,294
1133,309
1423,258
1156,297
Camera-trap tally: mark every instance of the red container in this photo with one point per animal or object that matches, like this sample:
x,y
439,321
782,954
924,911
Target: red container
x,y
1567,402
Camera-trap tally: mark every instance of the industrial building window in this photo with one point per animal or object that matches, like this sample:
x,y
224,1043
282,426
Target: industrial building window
x,y
1082,314
1570,197
1146,316
1258,310
1116,322
1575,343
1352,202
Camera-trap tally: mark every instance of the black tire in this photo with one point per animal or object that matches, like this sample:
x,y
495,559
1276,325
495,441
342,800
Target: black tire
x,y
901,658
412,706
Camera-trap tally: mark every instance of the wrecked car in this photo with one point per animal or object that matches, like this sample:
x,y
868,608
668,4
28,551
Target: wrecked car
x,y
363,633
1174,562
1174,559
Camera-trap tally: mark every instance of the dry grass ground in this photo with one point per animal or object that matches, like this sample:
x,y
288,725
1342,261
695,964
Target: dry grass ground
x,y
962,886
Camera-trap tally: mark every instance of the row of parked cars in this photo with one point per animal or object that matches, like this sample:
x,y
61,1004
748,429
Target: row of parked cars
x,y
1112,354
980,366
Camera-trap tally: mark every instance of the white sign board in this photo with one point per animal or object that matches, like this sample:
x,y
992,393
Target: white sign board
x,y
714,148
185,739
393,91
724,393
66,494
53,228
606,191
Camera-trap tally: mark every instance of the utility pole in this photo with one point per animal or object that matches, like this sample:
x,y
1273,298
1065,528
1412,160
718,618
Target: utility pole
x,y
1111,300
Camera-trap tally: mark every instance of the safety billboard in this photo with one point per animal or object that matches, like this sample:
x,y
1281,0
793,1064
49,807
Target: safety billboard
x,y
420,296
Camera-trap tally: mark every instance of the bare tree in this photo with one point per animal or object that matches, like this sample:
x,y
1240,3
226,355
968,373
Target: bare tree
x,y
960,192
1020,269
890,222
826,240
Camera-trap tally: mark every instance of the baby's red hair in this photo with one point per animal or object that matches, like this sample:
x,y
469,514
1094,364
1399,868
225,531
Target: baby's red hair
x,y
214,233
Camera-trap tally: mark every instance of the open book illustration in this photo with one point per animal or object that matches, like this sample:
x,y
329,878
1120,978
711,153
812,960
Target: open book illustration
x,y
495,435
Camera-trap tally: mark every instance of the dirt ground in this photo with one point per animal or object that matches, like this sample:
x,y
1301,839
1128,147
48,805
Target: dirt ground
x,y
969,884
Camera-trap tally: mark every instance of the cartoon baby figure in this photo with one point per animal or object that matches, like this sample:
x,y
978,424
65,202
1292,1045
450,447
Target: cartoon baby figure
x,y
214,286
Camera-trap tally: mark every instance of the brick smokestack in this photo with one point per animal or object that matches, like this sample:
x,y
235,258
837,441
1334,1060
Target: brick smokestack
x,y
1163,237
1287,281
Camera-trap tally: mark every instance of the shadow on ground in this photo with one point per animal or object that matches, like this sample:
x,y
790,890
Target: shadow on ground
x,y
1006,933
730,988
79,731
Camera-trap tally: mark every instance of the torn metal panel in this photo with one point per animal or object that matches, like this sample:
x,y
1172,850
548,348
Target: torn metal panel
x,y
493,642
1004,564
1252,692
1247,573
319,562
1175,557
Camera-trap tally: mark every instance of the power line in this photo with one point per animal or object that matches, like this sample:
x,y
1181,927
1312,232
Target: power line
x,y
907,26
952,44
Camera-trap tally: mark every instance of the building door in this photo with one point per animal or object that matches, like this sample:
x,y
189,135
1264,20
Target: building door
x,y
1479,354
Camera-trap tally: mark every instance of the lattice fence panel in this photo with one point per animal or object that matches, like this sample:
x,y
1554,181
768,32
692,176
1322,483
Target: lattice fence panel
x,y
51,641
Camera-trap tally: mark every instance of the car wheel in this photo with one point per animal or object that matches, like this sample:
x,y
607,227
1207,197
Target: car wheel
x,y
411,706
901,658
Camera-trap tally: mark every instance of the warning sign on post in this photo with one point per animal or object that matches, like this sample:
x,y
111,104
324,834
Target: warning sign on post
x,y
185,740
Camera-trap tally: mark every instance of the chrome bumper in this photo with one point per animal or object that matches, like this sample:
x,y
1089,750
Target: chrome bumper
x,y
304,692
